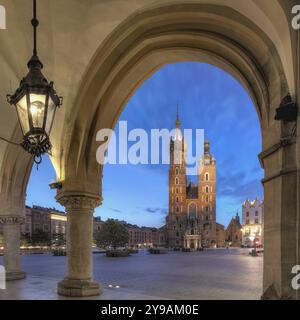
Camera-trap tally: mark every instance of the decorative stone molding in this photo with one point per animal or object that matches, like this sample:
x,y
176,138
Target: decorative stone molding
x,y
281,173
12,220
74,200
284,142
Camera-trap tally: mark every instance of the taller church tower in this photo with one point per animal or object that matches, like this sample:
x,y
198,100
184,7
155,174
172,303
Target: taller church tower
x,y
177,187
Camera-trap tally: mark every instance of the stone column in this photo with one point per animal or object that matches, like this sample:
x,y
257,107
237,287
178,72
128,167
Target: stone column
x,y
11,233
280,219
79,277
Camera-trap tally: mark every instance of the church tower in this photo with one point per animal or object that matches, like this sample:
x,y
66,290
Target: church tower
x,y
191,220
207,195
177,186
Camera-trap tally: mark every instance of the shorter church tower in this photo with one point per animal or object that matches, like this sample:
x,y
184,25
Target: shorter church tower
x,y
207,195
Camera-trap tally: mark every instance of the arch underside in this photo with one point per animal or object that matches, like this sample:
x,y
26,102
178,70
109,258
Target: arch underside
x,y
211,34
148,39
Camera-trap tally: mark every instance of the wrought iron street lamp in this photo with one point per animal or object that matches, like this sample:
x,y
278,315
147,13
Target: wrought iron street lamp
x,y
36,102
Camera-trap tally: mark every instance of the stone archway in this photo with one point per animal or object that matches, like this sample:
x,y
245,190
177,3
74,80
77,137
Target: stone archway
x,y
250,41
198,33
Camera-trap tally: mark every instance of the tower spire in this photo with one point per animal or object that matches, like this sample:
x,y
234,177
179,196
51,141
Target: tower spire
x,y
177,117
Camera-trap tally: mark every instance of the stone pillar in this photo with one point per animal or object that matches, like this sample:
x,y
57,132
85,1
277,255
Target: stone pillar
x,y
79,277
11,234
280,219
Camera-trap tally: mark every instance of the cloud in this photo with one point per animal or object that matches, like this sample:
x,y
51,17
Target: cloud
x,y
115,210
162,211
237,187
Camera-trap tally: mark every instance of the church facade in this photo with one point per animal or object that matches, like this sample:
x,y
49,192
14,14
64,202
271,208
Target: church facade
x,y
191,220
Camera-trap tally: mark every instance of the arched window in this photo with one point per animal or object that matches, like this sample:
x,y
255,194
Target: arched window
x,y
207,189
206,176
177,171
177,191
177,199
176,181
177,209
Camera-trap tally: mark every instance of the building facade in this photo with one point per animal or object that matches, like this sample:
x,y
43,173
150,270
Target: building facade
x,y
233,235
191,221
48,221
140,236
253,223
221,235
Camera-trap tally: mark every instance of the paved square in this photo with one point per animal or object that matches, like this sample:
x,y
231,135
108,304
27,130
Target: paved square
x,y
213,274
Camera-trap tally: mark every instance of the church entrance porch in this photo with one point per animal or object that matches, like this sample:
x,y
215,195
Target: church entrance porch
x,y
192,242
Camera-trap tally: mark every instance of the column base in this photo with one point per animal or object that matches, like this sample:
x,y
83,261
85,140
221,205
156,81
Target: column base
x,y
78,288
15,275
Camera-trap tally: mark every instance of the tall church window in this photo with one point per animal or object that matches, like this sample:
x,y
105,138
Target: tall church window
x,y
206,177
177,171
176,181
207,189
177,199
192,210
177,190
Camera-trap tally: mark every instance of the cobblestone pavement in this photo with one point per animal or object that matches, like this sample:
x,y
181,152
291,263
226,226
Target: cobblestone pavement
x,y
212,274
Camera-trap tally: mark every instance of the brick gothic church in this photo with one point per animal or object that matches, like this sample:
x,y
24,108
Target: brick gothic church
x,y
191,221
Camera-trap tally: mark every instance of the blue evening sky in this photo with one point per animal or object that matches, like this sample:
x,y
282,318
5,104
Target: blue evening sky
x,y
209,99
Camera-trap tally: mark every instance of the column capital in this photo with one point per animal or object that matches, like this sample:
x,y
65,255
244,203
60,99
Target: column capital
x,y
12,219
78,200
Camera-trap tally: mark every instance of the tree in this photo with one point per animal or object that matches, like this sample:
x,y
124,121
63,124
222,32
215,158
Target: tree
x,y
25,240
59,239
112,234
40,237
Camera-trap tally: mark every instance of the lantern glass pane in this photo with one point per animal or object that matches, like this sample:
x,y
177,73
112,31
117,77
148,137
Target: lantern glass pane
x,y
37,109
50,116
21,107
